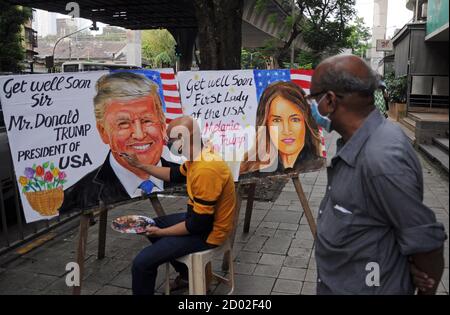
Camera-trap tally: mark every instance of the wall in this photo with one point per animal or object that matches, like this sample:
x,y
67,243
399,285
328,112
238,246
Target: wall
x,y
426,58
437,15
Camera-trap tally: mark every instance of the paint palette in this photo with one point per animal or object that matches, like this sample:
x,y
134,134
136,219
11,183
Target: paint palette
x,y
132,224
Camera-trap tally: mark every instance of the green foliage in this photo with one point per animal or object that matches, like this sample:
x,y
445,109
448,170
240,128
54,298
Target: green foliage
x,y
289,21
324,26
253,59
397,88
158,47
273,18
359,38
11,50
306,60
260,5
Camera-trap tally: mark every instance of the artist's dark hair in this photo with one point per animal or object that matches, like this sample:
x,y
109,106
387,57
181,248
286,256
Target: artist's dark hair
x,y
291,92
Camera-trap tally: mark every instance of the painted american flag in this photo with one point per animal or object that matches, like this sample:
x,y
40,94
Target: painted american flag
x,y
171,94
301,77
168,90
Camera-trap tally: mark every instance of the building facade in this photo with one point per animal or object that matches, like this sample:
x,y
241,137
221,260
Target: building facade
x,y
29,43
380,12
421,55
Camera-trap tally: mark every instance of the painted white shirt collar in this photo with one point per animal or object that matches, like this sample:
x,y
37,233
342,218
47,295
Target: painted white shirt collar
x,y
130,181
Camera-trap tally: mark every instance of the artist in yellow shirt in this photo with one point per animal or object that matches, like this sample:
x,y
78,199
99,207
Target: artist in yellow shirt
x,y
210,210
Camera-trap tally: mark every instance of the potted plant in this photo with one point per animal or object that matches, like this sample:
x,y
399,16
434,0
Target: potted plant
x,y
397,90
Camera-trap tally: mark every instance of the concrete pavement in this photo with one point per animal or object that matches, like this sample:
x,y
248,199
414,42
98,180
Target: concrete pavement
x,y
275,257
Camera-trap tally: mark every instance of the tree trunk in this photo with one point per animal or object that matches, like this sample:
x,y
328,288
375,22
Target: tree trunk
x,y
185,39
220,33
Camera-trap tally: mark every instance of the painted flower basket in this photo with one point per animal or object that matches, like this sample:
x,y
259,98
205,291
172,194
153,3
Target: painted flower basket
x,y
43,187
47,202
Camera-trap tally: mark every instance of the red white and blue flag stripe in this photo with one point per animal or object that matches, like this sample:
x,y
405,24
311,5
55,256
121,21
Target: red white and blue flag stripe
x,y
171,94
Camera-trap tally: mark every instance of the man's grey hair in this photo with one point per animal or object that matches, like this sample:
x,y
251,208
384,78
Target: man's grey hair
x,y
339,80
125,86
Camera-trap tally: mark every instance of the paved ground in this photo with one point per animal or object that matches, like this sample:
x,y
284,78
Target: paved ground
x,y
275,257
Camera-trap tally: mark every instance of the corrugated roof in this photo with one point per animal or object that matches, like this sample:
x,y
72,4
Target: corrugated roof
x,y
94,49
130,14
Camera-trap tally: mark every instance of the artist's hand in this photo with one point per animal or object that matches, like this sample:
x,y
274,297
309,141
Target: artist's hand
x,y
132,159
420,279
153,231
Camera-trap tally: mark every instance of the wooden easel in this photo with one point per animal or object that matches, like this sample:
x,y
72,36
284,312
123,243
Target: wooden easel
x,y
301,196
251,184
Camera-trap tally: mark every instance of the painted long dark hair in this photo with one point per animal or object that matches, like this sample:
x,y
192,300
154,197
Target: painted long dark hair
x,y
295,94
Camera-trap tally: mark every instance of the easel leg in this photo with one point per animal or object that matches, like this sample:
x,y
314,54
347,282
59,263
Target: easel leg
x,y
305,206
81,252
208,276
157,206
102,232
226,256
249,208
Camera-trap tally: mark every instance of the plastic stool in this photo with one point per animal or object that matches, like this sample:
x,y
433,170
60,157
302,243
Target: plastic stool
x,y
196,264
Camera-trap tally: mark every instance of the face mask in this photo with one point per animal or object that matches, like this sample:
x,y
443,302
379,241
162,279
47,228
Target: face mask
x,y
323,121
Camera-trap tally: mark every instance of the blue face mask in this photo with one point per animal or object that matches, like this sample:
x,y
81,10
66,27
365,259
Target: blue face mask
x,y
323,121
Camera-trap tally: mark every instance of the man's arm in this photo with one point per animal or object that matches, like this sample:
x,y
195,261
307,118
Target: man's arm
x,y
167,174
420,237
206,189
174,230
427,269
160,172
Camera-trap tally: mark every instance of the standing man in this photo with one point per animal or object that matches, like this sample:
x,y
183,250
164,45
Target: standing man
x,y
372,220
209,219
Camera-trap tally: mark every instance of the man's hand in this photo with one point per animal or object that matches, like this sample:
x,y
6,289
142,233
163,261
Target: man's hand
x,y
153,231
420,279
153,170
132,160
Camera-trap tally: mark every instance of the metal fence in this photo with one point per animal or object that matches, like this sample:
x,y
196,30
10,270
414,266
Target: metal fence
x,y
14,231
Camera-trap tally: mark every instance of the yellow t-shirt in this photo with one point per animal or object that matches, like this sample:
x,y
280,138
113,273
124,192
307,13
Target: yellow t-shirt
x,y
210,187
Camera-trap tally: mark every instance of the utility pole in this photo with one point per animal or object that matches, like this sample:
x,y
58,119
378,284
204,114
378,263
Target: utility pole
x,y
293,43
93,27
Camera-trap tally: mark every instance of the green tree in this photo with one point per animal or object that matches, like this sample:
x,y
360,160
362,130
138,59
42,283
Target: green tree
x,y
359,38
158,47
323,25
305,60
11,50
253,59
